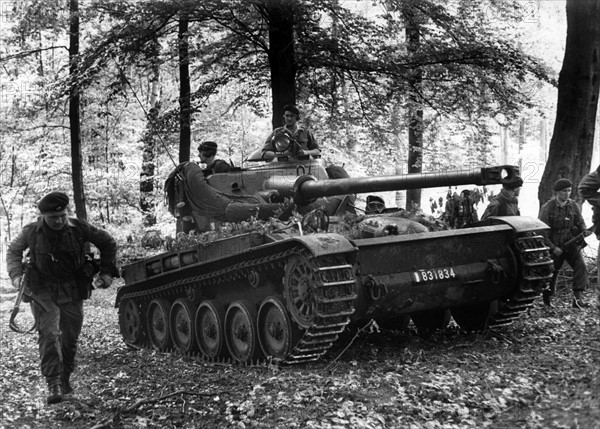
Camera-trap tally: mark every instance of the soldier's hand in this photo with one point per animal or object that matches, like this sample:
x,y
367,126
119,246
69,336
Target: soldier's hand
x,y
557,251
103,281
16,282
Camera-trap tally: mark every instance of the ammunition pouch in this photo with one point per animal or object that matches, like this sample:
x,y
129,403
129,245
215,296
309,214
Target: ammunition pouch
x,y
85,276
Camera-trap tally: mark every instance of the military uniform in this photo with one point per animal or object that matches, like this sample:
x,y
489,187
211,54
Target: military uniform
x,y
588,189
565,222
57,281
302,136
502,205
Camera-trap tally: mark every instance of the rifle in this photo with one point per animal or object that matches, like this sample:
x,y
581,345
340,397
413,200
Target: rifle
x,y
579,240
576,243
23,291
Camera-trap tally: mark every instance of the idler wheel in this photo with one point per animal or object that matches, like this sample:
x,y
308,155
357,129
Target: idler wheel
x,y
430,320
158,324
299,284
276,334
473,317
182,325
209,330
130,321
240,332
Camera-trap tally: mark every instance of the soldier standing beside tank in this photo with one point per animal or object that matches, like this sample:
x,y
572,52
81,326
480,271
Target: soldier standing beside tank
x,y
506,203
563,216
588,189
59,278
207,152
291,116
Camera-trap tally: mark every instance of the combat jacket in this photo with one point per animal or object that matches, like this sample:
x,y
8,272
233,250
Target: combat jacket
x,y
56,256
502,205
588,189
303,136
565,222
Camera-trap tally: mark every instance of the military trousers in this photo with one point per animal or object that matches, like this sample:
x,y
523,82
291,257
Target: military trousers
x,y
58,330
580,274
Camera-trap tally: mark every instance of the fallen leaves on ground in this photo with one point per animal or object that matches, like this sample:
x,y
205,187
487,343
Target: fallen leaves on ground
x,y
542,372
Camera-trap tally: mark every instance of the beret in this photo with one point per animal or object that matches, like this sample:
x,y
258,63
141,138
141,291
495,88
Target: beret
x,y
515,182
561,184
53,202
291,108
207,146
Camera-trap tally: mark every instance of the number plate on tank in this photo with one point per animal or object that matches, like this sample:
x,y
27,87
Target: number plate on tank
x,y
434,274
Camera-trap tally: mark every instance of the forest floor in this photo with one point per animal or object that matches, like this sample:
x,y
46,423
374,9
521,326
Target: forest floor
x,y
541,372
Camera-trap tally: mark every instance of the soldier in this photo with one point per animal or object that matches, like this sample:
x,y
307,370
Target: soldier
x,y
563,216
291,116
506,203
59,278
588,189
207,152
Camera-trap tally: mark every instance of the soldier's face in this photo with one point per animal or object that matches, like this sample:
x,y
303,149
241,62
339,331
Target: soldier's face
x,y
290,119
56,221
563,195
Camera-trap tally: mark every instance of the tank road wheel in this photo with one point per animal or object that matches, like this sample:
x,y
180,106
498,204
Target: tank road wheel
x,y
158,324
240,332
430,320
182,325
130,322
473,317
276,334
209,330
299,290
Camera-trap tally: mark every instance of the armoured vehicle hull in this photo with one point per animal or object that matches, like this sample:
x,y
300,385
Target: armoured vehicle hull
x,y
288,295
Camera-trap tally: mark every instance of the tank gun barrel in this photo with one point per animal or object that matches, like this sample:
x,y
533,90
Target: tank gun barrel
x,y
308,188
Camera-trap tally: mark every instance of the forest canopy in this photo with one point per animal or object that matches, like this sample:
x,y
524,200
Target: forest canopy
x,y
354,68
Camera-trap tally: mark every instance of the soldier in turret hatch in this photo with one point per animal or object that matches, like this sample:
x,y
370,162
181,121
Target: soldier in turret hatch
x,y
303,136
207,152
506,203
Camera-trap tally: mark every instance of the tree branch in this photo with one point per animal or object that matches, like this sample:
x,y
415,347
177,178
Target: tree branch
x,y
24,54
108,421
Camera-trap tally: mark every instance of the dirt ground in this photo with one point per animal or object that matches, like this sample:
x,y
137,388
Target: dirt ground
x,y
541,372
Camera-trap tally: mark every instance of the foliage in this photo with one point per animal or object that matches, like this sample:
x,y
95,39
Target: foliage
x,y
351,76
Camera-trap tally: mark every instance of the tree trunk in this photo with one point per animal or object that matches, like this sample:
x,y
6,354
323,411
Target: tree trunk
x,y
147,199
185,110
281,57
415,110
571,145
543,140
74,119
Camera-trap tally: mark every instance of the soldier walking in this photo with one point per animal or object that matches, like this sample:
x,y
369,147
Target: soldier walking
x,y
59,278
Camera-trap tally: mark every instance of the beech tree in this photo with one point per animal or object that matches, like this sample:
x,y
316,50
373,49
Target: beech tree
x,y
74,117
571,146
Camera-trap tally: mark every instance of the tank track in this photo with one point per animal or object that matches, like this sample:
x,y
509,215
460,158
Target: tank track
x,y
537,266
334,293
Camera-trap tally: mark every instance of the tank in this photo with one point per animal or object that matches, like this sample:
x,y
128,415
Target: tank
x,y
288,293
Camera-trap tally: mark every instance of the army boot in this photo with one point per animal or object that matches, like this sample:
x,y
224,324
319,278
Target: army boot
x,y
54,394
578,301
65,383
